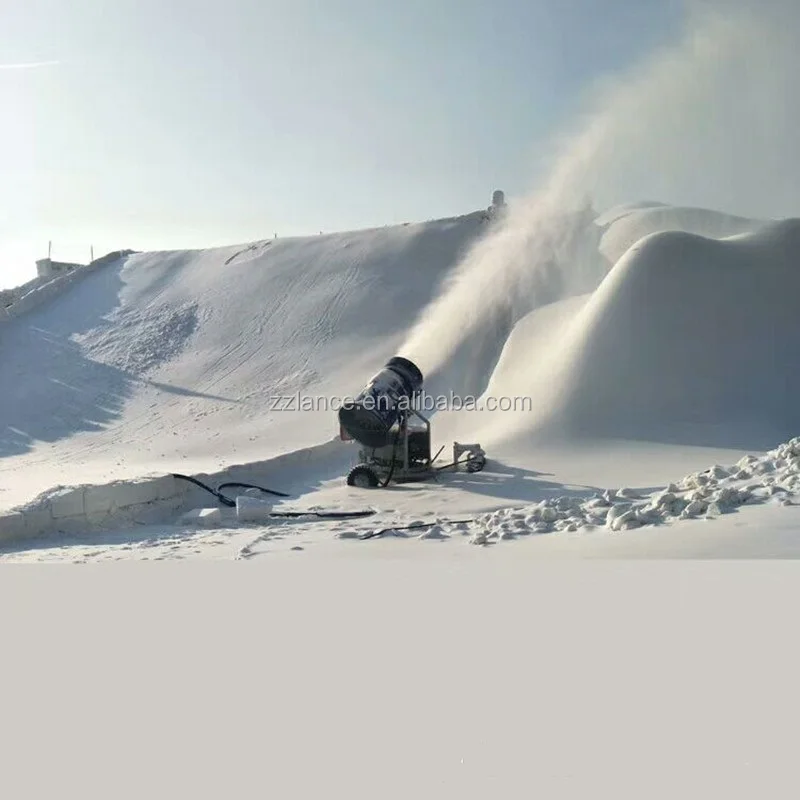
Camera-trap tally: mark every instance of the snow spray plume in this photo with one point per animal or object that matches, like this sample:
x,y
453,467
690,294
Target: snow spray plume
x,y
690,126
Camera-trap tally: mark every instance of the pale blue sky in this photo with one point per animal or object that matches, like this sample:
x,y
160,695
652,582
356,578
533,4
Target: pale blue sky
x,y
172,123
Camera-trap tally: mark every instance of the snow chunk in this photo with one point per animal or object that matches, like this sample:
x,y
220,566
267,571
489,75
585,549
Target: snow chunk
x,y
205,517
434,532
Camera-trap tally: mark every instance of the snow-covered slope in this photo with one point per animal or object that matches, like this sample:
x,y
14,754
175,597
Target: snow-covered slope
x,y
188,361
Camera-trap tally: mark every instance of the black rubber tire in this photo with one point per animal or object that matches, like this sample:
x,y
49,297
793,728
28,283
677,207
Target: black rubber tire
x,y
363,477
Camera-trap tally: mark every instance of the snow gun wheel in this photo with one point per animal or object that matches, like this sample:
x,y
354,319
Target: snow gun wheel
x,y
363,477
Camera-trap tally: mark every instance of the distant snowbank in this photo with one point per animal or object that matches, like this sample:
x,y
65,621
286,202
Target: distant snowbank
x,y
627,225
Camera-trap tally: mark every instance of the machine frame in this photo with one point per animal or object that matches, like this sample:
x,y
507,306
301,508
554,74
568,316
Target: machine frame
x,y
408,457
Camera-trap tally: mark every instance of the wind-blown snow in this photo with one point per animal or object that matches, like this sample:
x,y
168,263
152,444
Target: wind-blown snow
x,y
704,118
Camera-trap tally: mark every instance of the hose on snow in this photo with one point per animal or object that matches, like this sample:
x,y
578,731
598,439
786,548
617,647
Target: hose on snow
x,y
227,501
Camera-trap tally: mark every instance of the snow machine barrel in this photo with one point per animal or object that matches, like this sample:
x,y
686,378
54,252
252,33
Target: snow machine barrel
x,y
370,417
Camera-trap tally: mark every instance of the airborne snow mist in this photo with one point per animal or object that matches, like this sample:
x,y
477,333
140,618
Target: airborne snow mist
x,y
709,121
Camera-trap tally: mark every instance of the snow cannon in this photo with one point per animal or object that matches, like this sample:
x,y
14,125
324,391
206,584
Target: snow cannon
x,y
395,437
370,417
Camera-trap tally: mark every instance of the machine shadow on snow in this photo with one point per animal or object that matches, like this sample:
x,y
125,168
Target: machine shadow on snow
x,y
51,390
184,392
512,483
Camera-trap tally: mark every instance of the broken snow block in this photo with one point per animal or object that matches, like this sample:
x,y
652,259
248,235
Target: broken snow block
x,y
719,472
615,513
694,508
625,521
252,509
206,517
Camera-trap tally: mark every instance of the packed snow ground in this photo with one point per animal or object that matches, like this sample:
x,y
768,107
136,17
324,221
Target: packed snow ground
x,y
679,360
733,507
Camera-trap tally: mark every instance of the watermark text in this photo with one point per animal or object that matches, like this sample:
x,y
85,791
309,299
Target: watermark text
x,y
382,403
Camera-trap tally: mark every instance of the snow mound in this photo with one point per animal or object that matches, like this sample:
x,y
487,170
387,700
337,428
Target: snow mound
x,y
627,225
688,340
614,213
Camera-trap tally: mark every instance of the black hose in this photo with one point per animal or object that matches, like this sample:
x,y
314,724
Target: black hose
x,y
394,460
218,492
232,503
221,497
252,486
324,514
374,534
